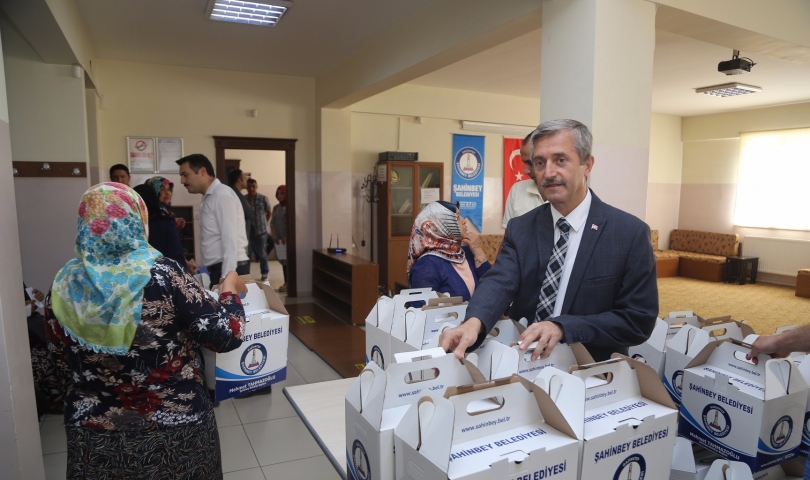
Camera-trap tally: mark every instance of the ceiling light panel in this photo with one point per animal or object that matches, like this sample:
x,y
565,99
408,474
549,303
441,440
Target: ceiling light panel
x,y
265,14
728,90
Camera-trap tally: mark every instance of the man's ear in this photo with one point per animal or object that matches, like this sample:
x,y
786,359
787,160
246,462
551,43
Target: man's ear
x,y
588,166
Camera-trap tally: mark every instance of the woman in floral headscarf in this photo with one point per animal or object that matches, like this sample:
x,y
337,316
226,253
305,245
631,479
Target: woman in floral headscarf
x,y
128,325
436,257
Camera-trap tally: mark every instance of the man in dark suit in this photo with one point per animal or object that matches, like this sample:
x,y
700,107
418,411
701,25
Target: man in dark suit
x,y
580,270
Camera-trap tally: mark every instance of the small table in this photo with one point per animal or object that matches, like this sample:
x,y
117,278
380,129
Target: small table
x,y
741,269
322,408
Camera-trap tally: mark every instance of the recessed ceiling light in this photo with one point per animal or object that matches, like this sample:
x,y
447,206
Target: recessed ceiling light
x,y
728,90
265,13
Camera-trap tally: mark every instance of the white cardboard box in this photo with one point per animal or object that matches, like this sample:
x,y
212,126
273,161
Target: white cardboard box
x,y
681,349
744,412
422,327
562,357
722,328
495,360
790,470
728,470
676,320
630,421
507,331
502,430
690,461
378,399
653,351
804,448
262,359
381,319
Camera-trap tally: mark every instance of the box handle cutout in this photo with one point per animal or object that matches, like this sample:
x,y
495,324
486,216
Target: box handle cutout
x,y
422,376
607,377
555,384
740,356
366,379
690,336
450,317
426,410
495,332
516,456
718,332
632,421
478,407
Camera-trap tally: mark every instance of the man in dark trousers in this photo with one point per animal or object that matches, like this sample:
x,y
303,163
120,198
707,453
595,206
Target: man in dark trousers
x,y
580,270
236,180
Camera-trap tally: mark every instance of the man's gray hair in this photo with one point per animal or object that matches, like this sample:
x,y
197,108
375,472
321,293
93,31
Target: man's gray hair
x,y
583,140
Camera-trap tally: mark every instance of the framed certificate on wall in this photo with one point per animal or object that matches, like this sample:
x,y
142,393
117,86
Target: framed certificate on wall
x,y
141,154
169,151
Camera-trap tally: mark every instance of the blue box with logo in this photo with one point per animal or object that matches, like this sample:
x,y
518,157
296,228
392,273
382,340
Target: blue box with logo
x,y
744,412
262,359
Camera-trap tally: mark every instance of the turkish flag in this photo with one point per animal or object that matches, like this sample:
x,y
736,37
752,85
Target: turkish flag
x,y
512,165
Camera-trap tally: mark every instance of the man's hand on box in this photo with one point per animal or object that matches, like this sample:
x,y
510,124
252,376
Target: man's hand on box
x,y
458,339
546,334
767,344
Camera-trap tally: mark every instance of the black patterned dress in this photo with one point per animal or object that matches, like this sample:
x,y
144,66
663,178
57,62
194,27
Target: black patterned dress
x,y
147,414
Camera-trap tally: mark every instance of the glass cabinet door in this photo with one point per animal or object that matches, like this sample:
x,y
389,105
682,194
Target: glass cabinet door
x,y
430,182
402,184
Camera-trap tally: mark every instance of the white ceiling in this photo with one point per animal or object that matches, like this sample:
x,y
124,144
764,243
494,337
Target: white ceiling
x,y
681,64
311,37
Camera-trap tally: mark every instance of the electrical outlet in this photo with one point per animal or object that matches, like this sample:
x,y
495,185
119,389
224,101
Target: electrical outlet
x,y
362,243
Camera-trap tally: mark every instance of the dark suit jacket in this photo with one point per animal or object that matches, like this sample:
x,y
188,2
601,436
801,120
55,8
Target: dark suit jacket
x,y
611,301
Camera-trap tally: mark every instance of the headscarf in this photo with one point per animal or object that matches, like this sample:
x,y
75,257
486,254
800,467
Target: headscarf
x,y
282,189
436,232
97,296
150,199
157,183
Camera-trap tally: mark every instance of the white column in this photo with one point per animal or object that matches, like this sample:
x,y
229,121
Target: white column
x,y
596,67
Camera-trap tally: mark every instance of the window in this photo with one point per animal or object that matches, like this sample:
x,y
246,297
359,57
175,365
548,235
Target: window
x,y
773,180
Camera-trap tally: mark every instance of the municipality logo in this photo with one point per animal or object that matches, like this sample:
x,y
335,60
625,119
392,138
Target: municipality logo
x,y
806,426
716,420
677,382
468,163
360,461
633,467
377,356
780,433
253,359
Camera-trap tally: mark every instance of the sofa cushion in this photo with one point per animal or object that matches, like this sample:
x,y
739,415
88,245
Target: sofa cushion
x,y
491,245
666,254
719,259
709,243
804,271
654,239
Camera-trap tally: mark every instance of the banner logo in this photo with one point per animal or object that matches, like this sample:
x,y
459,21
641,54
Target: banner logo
x,y
633,467
253,359
468,163
780,433
677,382
360,461
377,356
716,420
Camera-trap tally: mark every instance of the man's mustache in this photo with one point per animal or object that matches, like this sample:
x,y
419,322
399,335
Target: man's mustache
x,y
553,181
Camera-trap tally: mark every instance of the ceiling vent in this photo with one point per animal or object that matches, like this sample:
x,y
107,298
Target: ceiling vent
x,y
264,13
728,90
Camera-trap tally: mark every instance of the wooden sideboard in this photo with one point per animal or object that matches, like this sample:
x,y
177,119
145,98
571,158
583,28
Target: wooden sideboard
x,y
344,284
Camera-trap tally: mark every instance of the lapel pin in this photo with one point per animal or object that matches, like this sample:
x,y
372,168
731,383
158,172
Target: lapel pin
x,y
594,227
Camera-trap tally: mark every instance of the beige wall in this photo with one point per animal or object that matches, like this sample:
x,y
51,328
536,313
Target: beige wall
x,y
710,159
664,176
196,104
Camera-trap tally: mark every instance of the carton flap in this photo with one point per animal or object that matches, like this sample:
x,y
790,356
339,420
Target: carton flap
x,y
650,383
621,382
443,302
273,300
495,360
567,392
689,340
682,457
366,393
782,377
427,427
729,470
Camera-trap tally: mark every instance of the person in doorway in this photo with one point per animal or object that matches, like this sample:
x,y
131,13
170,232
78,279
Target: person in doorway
x,y
223,243
278,228
581,270
163,234
436,257
237,181
129,323
524,195
119,173
261,216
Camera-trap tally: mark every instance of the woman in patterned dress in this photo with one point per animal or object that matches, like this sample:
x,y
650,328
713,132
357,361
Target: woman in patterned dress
x,y
127,324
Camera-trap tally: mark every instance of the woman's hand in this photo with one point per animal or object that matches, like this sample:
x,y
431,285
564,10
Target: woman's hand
x,y
191,265
474,242
39,295
233,284
180,222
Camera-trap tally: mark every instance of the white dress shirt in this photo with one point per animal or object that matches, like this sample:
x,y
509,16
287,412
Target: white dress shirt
x,y
523,197
576,219
222,228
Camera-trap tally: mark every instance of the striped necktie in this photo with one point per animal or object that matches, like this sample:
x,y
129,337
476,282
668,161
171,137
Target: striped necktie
x,y
554,270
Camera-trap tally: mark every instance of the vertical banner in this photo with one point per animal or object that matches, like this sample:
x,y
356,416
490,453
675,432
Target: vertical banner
x,y
468,177
512,165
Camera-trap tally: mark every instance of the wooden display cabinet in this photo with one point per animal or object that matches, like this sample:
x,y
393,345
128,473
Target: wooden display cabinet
x,y
408,187
187,233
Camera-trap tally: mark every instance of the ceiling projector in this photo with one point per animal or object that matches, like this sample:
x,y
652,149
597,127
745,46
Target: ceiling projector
x,y
736,66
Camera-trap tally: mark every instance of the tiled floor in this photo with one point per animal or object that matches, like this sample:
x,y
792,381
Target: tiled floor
x,y
261,437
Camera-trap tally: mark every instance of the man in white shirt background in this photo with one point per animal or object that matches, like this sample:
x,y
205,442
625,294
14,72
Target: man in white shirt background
x,y
524,195
223,242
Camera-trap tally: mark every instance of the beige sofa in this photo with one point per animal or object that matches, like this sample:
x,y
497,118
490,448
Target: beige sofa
x,y
696,254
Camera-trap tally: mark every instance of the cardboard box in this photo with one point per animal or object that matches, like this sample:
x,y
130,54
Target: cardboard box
x,y
804,370
378,399
507,429
676,320
262,359
507,331
380,321
791,470
653,351
721,328
495,360
690,461
562,357
728,470
681,349
421,328
630,421
744,412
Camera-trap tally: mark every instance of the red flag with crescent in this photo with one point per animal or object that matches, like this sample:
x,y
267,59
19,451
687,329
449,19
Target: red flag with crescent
x,y
512,165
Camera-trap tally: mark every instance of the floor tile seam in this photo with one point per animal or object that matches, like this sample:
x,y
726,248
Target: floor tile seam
x,y
294,415
249,443
293,460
